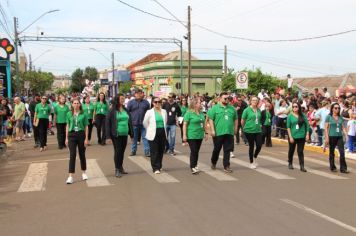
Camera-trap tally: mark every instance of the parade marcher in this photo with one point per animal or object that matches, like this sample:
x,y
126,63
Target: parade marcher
x,y
118,127
194,132
137,108
19,118
41,120
101,109
184,109
240,105
223,126
76,136
173,112
155,123
88,108
266,121
251,122
60,119
298,133
32,107
334,130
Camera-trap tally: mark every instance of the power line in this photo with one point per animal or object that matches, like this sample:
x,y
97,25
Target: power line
x,y
156,1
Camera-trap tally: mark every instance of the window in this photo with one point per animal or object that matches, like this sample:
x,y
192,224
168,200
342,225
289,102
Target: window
x,y
198,86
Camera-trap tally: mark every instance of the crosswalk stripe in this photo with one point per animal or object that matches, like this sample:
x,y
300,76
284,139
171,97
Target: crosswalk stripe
x,y
206,169
146,166
96,177
35,179
262,170
312,171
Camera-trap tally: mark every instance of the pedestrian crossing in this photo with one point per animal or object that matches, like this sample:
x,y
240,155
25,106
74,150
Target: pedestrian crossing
x,y
35,178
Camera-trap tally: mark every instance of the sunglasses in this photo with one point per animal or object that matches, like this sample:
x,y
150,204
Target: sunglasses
x,y
336,108
155,102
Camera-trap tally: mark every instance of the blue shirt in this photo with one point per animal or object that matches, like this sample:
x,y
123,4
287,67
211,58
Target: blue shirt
x,y
321,114
137,110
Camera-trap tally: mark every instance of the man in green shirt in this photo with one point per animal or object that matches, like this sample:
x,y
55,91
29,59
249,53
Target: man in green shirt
x,y
19,117
223,123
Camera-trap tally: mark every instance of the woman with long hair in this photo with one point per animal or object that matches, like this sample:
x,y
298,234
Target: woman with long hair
x,y
118,127
60,119
194,131
88,108
100,111
298,133
184,108
334,130
41,120
76,136
266,121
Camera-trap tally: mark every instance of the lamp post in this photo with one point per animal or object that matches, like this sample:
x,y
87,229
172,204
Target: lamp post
x,y
32,61
17,43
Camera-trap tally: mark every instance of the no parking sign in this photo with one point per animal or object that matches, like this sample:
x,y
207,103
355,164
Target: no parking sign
x,y
242,80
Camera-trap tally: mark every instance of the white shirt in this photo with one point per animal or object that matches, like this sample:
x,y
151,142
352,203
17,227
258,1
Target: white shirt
x,y
351,124
282,109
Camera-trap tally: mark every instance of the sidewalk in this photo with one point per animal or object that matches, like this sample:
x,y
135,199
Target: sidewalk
x,y
317,149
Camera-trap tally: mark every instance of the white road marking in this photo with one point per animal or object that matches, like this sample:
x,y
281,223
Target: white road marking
x,y
207,170
146,166
30,162
312,171
96,177
35,179
325,217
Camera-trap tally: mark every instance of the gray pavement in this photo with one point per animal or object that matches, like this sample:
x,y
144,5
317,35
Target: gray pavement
x,y
272,200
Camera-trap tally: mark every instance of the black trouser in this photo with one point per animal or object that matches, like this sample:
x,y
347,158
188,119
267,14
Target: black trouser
x,y
194,145
282,123
227,142
253,138
157,149
90,128
278,130
181,130
119,144
299,142
100,128
76,139
36,134
42,129
242,133
266,137
339,142
61,135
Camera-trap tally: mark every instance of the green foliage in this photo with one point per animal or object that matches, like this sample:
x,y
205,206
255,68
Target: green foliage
x,y
91,73
78,81
125,87
39,81
61,91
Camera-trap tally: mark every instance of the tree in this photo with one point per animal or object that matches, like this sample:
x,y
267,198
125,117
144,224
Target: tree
x,y
91,73
125,87
39,81
78,81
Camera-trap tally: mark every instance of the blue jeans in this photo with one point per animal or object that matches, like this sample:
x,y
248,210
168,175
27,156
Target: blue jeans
x,y
146,147
171,137
351,143
320,135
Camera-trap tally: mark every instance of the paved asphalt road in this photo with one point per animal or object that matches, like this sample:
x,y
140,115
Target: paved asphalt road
x,y
272,200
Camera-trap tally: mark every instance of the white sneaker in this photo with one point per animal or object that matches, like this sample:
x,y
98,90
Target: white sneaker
x,y
197,168
70,180
232,155
255,162
84,176
157,172
195,171
252,166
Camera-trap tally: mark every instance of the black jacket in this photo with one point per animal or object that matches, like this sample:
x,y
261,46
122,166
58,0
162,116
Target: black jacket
x,y
111,124
263,116
173,111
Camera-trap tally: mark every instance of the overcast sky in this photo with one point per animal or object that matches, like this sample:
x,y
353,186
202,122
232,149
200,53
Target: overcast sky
x,y
255,19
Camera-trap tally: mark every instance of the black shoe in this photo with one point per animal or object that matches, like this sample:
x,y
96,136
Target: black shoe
x,y
133,154
333,169
36,146
302,169
290,166
345,171
122,171
172,153
213,166
147,155
118,173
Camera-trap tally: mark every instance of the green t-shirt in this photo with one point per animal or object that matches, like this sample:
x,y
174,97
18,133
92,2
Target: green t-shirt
x,y
184,109
195,125
122,127
101,108
88,110
42,111
268,121
224,119
252,120
20,108
297,131
77,123
61,113
335,129
159,120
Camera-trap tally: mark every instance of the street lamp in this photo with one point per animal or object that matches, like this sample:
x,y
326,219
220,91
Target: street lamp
x,y
32,61
17,33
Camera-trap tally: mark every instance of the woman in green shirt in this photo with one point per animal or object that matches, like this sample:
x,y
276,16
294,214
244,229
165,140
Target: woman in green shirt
x,y
41,120
251,122
88,109
184,108
334,130
118,127
99,116
194,132
298,133
60,119
76,136
266,122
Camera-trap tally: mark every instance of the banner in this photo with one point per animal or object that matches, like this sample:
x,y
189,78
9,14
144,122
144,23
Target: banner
x,y
242,80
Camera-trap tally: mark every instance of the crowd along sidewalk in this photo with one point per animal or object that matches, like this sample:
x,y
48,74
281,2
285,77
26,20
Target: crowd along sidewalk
x,y
317,149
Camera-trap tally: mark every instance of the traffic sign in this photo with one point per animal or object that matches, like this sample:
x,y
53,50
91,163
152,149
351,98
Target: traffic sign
x,y
242,80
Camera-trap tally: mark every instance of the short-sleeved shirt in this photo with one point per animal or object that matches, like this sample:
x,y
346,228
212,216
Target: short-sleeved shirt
x,y
195,125
122,119
335,127
77,122
183,109
101,108
42,111
159,120
88,110
252,120
61,113
297,130
322,114
268,121
224,118
19,108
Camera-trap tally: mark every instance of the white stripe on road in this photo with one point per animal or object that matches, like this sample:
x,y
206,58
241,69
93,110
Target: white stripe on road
x,y
312,171
325,217
206,169
146,166
96,177
35,179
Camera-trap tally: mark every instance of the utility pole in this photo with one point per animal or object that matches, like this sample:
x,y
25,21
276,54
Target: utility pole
x,y
113,74
189,53
17,56
225,60
30,58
